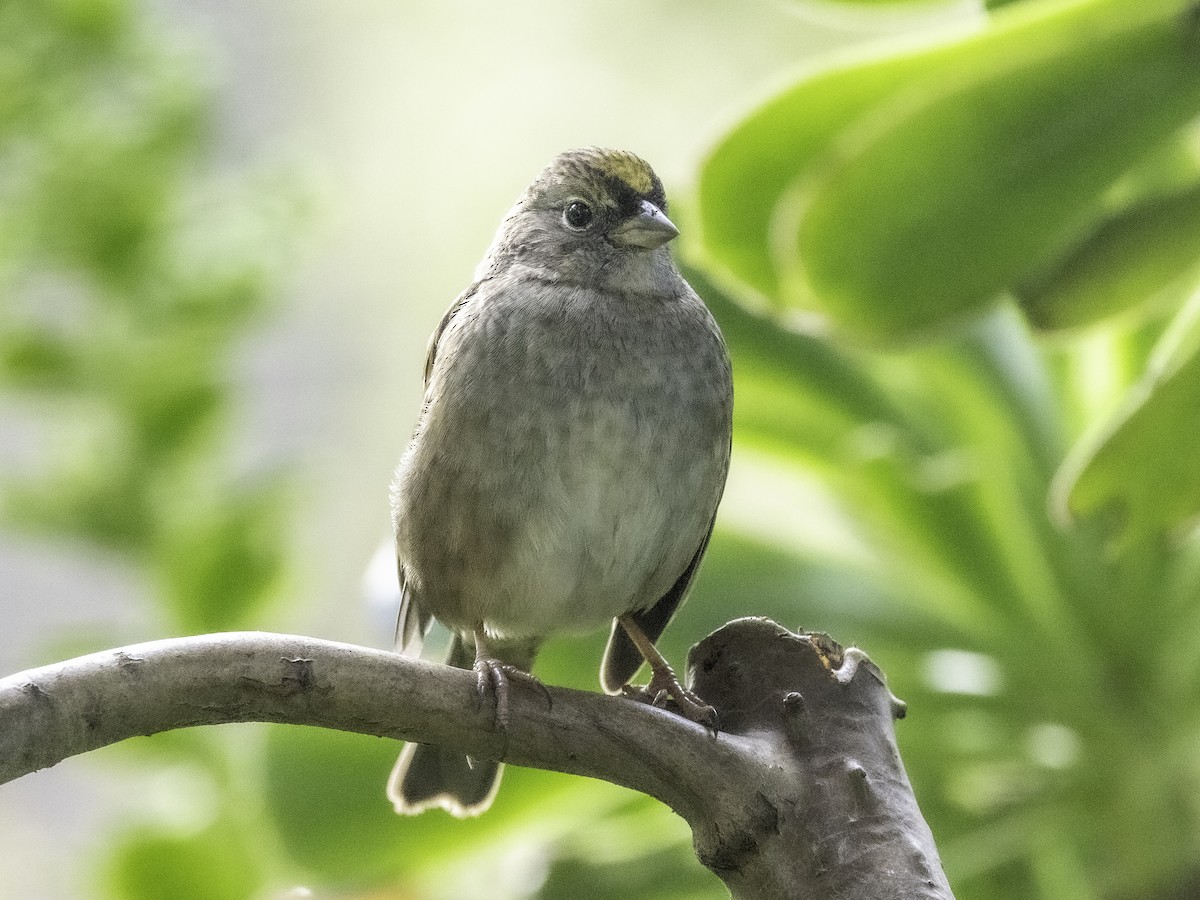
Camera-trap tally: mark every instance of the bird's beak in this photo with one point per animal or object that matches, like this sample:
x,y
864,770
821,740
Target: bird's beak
x,y
647,228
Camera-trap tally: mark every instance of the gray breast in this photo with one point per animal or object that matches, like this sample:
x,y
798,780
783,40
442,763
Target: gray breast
x,y
569,459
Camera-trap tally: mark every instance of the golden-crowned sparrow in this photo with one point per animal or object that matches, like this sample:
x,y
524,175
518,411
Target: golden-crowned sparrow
x,y
570,452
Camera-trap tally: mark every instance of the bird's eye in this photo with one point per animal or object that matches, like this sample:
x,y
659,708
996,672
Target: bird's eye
x,y
577,215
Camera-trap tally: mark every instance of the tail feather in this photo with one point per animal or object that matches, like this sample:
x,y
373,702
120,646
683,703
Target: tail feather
x,y
428,777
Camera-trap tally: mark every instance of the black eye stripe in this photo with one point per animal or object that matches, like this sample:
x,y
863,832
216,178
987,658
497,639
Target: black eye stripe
x,y
611,197
629,201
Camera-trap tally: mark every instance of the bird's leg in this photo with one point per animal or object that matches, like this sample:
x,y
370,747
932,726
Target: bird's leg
x,y
663,682
493,675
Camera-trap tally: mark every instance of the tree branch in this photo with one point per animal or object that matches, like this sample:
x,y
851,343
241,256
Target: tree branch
x,y
802,793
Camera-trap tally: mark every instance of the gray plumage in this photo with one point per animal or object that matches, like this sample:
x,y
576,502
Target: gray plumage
x,y
572,446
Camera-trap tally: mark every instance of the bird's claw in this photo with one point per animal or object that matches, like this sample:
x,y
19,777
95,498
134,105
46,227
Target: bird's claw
x,y
665,687
493,678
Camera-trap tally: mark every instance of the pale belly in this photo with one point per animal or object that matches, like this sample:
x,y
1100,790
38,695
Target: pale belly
x,y
612,533
567,538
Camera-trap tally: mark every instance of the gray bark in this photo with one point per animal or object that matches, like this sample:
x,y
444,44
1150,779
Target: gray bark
x,y
801,794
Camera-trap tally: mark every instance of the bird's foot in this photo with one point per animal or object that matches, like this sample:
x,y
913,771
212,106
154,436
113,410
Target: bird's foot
x,y
493,679
663,683
665,686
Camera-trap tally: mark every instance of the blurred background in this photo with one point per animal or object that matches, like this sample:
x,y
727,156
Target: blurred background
x,y
954,251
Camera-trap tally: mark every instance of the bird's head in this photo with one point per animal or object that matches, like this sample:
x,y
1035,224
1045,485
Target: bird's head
x,y
593,216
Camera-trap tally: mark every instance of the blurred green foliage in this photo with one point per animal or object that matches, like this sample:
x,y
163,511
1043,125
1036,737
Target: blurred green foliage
x,y
996,231
998,227
217,863
130,272
981,183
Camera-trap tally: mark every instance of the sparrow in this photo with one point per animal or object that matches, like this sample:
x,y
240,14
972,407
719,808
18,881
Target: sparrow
x,y
569,455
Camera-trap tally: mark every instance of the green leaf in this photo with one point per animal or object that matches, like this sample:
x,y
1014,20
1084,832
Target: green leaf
x,y
164,388
325,795
1139,472
667,874
906,192
96,499
220,565
744,176
1144,253
38,359
214,864
96,21
791,386
109,181
987,175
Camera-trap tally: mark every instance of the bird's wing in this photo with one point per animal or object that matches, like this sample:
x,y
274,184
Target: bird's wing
x,y
621,658
431,350
412,622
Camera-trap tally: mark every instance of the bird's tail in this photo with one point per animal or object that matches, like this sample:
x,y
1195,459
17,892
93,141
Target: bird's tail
x,y
427,777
